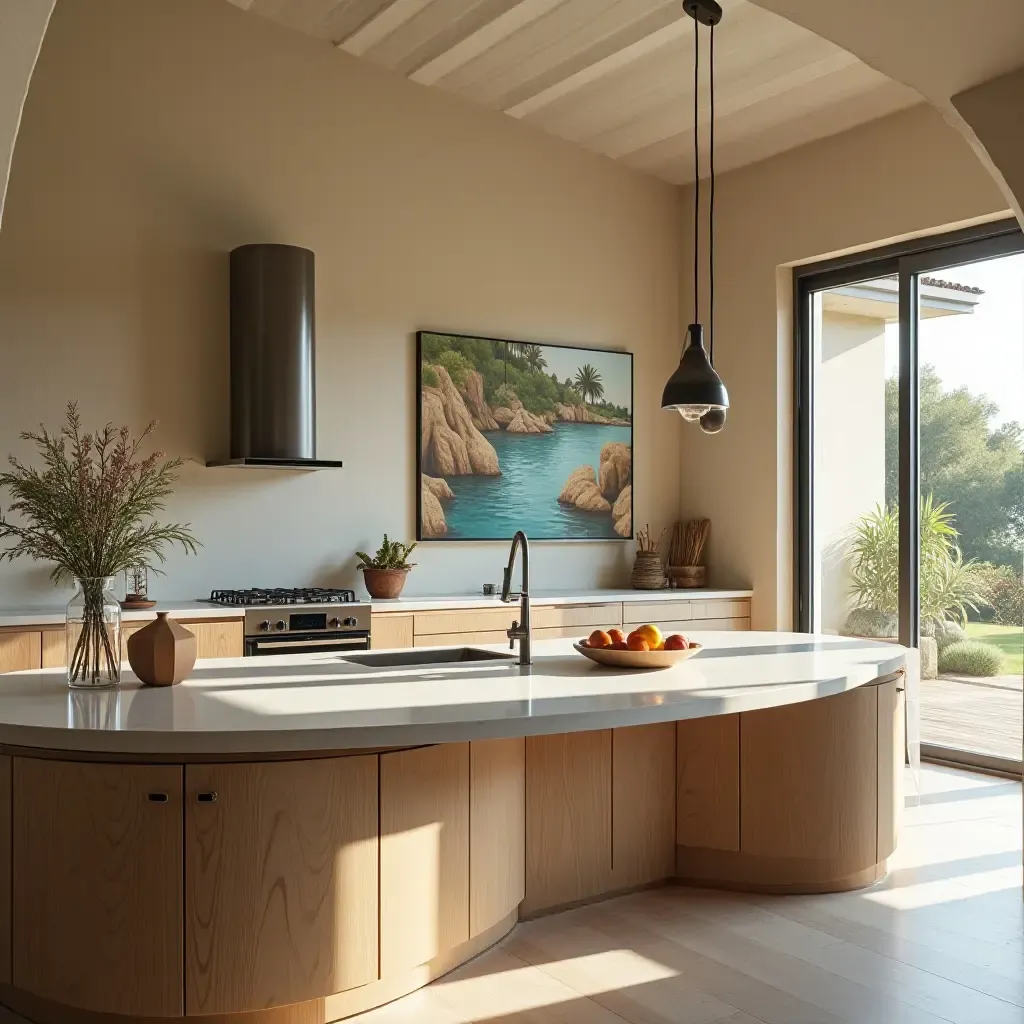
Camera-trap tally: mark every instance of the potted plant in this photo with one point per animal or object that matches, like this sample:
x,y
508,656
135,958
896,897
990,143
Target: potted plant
x,y
91,511
384,574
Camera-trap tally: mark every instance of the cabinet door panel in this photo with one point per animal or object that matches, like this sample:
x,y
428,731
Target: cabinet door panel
x,y
708,783
424,854
568,818
20,651
93,856
390,631
461,639
281,882
55,653
643,804
497,787
571,616
468,620
218,639
636,613
891,757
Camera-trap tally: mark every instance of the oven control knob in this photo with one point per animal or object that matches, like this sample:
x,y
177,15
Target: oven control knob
x,y
280,625
265,626
334,623
350,622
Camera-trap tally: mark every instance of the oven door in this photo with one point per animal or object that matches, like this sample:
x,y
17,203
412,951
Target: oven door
x,y
306,643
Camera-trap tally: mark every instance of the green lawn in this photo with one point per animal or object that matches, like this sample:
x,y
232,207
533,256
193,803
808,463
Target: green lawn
x,y
1009,639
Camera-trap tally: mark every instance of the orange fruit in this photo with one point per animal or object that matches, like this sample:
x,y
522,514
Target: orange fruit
x,y
619,645
675,642
652,635
599,638
637,642
618,637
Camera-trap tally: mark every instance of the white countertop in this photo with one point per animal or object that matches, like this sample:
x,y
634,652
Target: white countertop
x,y
297,703
50,615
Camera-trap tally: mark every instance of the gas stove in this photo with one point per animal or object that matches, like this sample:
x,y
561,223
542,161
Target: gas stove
x,y
299,620
260,596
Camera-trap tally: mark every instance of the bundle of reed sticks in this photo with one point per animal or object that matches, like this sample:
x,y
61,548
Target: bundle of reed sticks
x,y
688,540
645,543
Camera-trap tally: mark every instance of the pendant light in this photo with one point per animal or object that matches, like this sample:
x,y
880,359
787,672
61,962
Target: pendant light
x,y
695,390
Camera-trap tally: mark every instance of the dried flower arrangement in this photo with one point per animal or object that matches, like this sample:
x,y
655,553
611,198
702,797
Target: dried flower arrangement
x,y
91,511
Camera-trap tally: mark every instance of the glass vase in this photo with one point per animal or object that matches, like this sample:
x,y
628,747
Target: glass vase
x,y
93,632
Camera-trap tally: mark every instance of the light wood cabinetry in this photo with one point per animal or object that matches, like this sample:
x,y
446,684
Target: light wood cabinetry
x,y
891,758
708,783
424,854
636,613
466,620
98,885
55,650
217,638
568,818
577,616
643,804
390,631
462,639
20,650
497,820
281,882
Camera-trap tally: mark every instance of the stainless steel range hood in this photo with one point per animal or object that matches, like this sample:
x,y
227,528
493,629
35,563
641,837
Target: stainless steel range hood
x,y
273,365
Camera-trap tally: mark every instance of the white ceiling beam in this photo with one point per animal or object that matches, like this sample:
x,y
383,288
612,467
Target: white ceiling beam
x,y
511,21
381,25
606,66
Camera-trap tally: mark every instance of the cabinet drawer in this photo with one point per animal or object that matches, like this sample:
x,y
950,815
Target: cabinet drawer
x,y
577,615
698,625
494,636
470,620
656,611
571,632
723,609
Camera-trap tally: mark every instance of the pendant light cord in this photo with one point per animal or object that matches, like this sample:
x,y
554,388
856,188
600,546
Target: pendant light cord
x,y
711,210
696,176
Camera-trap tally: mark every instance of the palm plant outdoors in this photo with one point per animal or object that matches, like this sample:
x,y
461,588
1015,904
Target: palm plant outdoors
x,y
533,358
589,383
91,511
949,586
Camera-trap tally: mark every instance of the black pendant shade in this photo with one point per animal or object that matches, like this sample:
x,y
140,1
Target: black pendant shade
x,y
695,389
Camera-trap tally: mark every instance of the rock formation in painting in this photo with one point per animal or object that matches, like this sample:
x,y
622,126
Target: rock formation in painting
x,y
432,492
581,490
615,470
581,414
450,443
502,415
524,422
622,512
473,396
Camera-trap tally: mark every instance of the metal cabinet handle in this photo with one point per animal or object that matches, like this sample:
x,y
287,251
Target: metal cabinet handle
x,y
158,798
207,798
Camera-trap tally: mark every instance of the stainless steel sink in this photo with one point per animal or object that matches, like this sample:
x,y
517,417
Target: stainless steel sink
x,y
426,656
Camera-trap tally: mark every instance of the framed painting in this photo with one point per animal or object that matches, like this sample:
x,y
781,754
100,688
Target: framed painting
x,y
522,436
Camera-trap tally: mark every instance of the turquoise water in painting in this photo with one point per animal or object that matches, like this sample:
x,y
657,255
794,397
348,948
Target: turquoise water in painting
x,y
534,469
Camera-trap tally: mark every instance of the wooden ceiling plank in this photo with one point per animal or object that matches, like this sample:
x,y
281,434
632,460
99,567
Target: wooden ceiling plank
x,y
381,25
483,39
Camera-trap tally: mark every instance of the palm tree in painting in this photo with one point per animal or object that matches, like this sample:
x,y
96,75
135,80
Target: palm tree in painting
x,y
588,383
534,359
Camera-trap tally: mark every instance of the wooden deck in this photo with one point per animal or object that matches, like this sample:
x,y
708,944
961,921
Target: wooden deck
x,y
983,716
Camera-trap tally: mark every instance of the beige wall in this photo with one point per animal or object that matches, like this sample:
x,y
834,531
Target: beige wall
x,y
903,175
22,26
158,134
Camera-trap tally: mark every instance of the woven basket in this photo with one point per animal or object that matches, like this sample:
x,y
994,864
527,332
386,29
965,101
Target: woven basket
x,y
384,583
648,572
686,576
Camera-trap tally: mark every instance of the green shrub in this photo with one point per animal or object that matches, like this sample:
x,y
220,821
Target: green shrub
x,y
1007,596
945,632
869,622
430,377
457,365
970,658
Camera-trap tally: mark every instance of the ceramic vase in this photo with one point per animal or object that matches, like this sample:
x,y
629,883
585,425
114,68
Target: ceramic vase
x,y
384,583
162,653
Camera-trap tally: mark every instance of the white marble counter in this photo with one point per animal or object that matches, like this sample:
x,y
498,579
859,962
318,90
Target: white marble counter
x,y
322,702
50,615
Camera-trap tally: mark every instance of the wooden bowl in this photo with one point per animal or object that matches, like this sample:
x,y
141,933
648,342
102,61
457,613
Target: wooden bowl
x,y
637,659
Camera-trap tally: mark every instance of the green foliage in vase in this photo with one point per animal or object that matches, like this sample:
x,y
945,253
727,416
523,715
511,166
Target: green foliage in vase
x,y
971,658
392,554
949,586
91,509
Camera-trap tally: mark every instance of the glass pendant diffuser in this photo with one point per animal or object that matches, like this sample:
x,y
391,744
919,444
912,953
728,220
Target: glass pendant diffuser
x,y
695,390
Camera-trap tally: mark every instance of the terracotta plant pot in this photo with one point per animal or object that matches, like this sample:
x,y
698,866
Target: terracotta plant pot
x,y
162,653
384,583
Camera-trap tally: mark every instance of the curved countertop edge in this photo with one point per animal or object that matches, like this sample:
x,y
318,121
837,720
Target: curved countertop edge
x,y
611,708
48,615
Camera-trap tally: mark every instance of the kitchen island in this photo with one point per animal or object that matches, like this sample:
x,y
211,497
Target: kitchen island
x,y
300,838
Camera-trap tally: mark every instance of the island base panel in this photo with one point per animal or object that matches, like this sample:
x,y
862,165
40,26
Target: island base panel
x,y
314,1011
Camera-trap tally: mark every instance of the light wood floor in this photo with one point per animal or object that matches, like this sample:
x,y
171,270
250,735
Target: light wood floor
x,y
940,940
977,715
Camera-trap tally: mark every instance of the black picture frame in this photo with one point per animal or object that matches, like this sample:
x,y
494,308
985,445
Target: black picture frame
x,y
420,334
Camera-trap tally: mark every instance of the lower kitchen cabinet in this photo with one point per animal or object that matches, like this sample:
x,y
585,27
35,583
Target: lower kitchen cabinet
x,y
281,882
96,848
424,854
20,651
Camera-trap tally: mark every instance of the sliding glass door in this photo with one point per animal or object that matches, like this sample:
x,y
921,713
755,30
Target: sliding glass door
x,y
910,384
